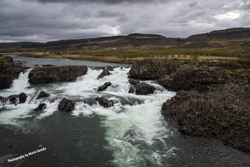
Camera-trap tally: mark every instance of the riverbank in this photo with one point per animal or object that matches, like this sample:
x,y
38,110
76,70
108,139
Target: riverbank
x,y
129,57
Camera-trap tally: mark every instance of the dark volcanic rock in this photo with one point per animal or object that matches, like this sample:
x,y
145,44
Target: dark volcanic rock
x,y
66,105
104,102
8,72
104,73
222,112
144,89
13,99
192,77
55,74
148,69
22,97
41,107
133,81
42,94
104,87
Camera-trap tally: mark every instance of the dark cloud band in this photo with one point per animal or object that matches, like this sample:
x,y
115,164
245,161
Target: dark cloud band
x,y
110,2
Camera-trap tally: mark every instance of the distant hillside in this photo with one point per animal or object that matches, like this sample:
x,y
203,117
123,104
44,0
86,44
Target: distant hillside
x,y
222,35
214,39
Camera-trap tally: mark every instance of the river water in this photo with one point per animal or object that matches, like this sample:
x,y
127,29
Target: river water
x,y
131,133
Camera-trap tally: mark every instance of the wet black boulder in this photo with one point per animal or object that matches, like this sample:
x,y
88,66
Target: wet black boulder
x,y
133,81
144,89
14,99
104,102
66,105
22,97
56,74
104,87
42,94
104,73
41,107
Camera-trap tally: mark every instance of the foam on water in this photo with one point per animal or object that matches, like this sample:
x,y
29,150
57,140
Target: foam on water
x,y
51,107
13,115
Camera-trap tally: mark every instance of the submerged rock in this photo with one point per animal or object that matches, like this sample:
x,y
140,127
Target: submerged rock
x,y
104,73
104,87
42,94
41,107
55,74
222,112
144,89
104,102
66,105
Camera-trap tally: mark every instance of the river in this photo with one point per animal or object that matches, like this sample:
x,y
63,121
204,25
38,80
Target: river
x,y
131,133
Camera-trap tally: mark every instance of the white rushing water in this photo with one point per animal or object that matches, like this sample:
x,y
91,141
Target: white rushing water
x,y
135,129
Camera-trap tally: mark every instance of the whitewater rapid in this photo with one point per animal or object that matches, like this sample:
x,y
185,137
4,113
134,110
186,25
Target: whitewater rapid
x,y
135,129
132,133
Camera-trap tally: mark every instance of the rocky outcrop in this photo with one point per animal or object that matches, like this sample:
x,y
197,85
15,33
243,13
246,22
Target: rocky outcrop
x,y
42,94
66,105
144,89
213,99
55,74
200,76
104,102
104,87
190,77
104,73
222,112
8,72
148,69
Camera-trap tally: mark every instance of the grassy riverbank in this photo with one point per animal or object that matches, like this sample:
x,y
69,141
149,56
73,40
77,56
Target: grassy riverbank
x,y
129,56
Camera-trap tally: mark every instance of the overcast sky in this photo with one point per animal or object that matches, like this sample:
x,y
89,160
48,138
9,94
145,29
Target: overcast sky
x,y
49,20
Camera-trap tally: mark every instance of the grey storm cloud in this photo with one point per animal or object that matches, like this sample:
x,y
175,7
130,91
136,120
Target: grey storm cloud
x,y
47,20
97,1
